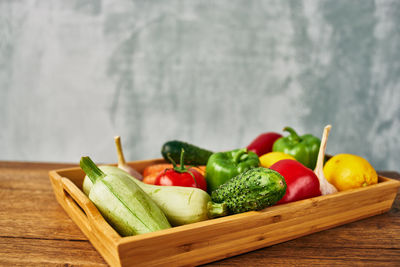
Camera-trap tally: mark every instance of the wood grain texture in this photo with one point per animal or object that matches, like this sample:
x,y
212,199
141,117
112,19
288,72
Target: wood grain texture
x,y
39,252
35,230
23,214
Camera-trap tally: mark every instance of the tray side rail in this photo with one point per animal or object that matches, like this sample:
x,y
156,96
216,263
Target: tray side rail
x,y
87,217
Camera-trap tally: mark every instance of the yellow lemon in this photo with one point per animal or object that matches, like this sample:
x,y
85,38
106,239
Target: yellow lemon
x,y
267,160
347,171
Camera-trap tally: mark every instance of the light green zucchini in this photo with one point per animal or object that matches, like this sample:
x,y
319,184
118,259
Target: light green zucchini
x,y
181,205
122,203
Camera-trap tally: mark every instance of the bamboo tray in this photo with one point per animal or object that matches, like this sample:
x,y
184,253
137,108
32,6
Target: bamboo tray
x,y
216,239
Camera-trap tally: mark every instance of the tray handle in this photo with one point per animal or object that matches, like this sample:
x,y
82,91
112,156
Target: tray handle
x,y
87,211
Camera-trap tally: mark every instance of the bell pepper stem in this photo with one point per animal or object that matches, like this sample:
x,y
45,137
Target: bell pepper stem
x,y
293,134
237,157
91,170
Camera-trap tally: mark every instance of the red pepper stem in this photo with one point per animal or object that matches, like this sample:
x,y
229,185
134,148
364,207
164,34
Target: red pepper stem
x,y
293,133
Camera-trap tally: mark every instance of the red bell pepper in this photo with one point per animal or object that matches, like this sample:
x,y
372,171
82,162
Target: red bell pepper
x,y
263,143
301,181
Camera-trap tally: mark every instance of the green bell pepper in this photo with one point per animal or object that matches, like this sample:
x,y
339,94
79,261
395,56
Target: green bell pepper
x,y
223,166
304,148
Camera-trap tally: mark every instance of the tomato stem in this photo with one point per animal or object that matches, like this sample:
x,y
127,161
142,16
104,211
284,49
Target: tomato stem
x,y
181,168
172,161
194,178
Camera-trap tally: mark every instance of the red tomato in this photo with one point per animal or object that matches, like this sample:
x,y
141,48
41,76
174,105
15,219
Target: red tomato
x,y
188,178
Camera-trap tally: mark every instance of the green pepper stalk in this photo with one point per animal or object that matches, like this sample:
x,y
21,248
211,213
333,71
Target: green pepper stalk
x,y
304,148
223,166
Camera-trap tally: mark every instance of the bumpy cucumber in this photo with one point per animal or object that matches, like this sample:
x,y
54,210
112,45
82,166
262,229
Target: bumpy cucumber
x,y
194,155
181,205
122,203
254,189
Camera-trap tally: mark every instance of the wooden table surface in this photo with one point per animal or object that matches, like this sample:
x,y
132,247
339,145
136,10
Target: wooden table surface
x,y
35,231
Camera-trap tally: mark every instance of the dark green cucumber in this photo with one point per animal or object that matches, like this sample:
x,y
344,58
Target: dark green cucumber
x,y
254,189
194,155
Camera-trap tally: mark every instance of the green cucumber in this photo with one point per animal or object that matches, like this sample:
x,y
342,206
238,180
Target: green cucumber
x,y
181,205
254,189
122,203
194,155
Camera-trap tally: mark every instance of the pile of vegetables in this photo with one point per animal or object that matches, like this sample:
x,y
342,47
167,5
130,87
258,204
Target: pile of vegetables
x,y
271,170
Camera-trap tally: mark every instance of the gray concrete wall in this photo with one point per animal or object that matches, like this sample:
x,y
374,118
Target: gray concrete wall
x,y
214,73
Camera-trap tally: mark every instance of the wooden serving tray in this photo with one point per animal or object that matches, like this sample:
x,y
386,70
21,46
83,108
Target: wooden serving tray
x,y
216,239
